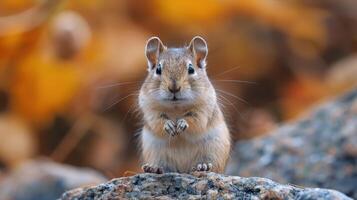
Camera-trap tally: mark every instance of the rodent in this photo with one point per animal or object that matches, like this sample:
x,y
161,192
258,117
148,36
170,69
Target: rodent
x,y
184,128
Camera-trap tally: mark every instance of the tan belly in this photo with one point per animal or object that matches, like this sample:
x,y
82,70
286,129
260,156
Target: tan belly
x,y
182,158
182,153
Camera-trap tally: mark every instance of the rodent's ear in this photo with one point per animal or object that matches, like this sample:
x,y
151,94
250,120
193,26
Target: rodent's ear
x,y
153,48
199,48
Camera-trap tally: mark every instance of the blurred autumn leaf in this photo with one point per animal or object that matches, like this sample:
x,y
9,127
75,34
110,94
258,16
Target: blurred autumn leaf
x,y
182,12
42,88
8,7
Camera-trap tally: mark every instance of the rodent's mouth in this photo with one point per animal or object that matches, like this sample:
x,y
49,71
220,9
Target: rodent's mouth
x,y
175,99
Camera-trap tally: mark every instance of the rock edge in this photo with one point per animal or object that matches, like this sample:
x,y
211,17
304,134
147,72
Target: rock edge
x,y
197,186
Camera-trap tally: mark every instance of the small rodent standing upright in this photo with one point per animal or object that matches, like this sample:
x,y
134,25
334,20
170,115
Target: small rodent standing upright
x,y
184,128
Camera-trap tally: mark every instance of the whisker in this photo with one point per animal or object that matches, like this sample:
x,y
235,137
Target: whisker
x,y
122,83
229,70
221,102
132,108
221,97
118,84
235,108
232,95
153,91
121,99
235,81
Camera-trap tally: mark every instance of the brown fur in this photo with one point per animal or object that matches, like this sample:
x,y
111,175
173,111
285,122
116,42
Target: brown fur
x,y
206,140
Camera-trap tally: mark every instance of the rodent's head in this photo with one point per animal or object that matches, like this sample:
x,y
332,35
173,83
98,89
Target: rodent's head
x,y
176,75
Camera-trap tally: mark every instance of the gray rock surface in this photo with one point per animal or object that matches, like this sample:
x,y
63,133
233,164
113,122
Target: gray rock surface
x,y
319,150
196,186
45,180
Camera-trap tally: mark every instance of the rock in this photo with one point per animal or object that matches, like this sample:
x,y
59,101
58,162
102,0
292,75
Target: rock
x,y
197,186
45,180
319,150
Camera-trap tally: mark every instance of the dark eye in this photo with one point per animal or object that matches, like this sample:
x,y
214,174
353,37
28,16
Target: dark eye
x,y
191,70
158,69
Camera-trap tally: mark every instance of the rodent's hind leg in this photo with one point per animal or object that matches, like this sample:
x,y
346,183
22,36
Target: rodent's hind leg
x,y
203,167
152,169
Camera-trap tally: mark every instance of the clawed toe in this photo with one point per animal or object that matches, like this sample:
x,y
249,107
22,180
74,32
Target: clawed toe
x,y
152,169
181,125
170,127
203,167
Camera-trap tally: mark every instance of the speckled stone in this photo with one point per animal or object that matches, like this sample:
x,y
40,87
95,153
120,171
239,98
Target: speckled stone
x,y
196,186
318,150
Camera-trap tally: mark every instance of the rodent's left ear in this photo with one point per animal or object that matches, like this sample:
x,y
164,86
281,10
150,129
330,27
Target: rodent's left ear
x,y
199,48
153,48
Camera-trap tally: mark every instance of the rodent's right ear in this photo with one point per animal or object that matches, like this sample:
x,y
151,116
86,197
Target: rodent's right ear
x,y
200,50
153,48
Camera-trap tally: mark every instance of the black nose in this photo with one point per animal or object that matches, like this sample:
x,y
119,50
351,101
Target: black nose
x,y
174,89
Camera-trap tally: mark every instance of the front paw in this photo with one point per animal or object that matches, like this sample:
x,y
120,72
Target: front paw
x,y
170,127
181,126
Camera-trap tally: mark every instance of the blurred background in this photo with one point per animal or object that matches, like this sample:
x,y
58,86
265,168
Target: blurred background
x,y
70,70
